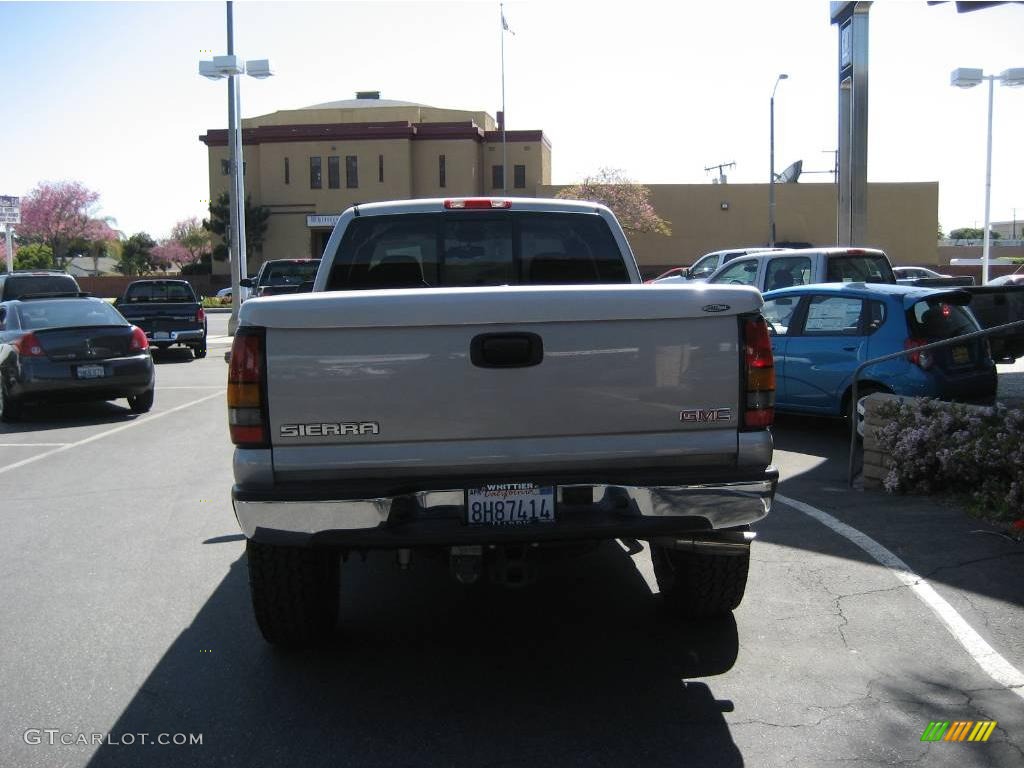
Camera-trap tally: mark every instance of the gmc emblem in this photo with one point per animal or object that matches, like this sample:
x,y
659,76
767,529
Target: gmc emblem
x,y
705,415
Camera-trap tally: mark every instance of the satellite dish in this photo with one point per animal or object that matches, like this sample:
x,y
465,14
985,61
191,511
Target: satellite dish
x,y
792,173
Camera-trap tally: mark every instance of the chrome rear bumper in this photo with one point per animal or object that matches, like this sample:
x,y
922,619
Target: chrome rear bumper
x,y
628,509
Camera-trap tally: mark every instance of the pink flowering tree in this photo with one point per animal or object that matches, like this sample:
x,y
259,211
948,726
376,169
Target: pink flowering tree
x,y
62,213
193,239
170,253
629,201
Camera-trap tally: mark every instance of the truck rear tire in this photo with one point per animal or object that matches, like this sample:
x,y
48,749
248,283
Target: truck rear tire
x,y
696,585
294,593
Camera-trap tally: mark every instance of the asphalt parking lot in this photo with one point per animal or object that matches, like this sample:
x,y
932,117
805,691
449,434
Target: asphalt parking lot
x,y
125,605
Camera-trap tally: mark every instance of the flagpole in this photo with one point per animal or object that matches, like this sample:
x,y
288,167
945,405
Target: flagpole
x,y
504,115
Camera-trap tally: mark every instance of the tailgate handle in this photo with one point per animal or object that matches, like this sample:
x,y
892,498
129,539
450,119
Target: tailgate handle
x,y
506,350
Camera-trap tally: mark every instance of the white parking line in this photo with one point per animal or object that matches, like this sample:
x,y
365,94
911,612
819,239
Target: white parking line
x,y
219,339
31,445
994,665
101,435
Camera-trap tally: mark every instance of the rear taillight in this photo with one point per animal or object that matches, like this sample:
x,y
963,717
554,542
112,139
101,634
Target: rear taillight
x,y
759,370
138,342
246,412
923,360
29,346
476,203
200,315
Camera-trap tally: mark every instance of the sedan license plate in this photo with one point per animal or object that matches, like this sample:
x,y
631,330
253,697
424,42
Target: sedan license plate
x,y
961,355
510,504
91,372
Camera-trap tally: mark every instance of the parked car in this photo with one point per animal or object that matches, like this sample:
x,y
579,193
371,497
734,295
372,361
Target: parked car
x,y
71,348
821,333
21,283
929,277
168,311
281,276
708,263
1014,279
801,266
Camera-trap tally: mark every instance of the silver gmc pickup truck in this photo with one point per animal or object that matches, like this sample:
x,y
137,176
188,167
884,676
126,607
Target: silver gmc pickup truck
x,y
490,380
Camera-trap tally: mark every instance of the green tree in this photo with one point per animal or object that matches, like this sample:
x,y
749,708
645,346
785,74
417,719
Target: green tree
x,y
972,233
941,234
219,224
33,256
630,202
136,255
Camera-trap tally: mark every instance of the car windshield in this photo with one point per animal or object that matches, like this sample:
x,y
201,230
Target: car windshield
x,y
60,313
860,268
289,273
476,249
935,319
159,292
24,285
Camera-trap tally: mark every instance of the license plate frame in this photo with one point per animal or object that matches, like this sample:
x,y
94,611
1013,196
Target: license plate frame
x,y
961,355
510,504
90,371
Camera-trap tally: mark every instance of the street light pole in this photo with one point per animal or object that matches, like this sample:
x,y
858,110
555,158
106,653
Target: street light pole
x,y
965,77
231,67
771,163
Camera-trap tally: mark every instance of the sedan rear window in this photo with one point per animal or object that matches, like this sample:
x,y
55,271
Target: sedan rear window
x,y
67,314
936,319
425,250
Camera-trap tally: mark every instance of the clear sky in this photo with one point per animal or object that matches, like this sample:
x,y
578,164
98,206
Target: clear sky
x,y
108,93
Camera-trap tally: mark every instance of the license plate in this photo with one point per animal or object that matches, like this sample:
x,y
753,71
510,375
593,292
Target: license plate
x,y
510,504
961,355
161,335
91,372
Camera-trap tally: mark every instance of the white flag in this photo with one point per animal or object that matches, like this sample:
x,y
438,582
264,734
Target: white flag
x,y
504,24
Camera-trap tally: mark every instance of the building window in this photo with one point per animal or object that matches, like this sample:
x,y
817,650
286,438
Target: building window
x,y
380,168
519,177
315,179
351,171
441,175
225,167
497,177
287,172
333,172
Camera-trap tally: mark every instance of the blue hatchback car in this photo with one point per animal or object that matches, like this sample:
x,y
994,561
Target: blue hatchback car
x,y
821,333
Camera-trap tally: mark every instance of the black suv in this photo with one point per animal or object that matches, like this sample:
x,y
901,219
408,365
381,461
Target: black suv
x,y
14,285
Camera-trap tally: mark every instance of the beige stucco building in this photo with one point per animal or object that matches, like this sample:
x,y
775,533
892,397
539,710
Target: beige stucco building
x,y
902,220
308,165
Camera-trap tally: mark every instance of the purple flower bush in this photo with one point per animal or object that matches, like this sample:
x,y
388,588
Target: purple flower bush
x,y
939,447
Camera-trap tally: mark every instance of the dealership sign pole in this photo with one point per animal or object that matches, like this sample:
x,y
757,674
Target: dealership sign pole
x,y
10,214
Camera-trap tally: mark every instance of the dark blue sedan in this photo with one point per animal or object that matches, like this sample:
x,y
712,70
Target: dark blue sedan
x,y
821,333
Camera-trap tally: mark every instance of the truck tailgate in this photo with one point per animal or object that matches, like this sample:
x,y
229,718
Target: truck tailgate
x,y
367,383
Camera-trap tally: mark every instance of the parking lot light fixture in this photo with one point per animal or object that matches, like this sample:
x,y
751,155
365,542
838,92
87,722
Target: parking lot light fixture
x,y
968,77
232,67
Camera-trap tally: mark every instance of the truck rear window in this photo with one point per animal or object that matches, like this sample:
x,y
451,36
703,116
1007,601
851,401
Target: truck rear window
x,y
170,293
431,250
865,268
25,285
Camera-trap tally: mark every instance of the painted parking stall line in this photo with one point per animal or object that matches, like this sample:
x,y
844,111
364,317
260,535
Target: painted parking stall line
x,y
108,433
994,665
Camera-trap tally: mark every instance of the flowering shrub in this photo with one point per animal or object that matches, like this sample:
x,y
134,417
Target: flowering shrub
x,y
946,447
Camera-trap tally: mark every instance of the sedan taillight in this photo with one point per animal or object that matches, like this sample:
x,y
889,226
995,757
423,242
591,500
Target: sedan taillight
x,y
139,342
29,346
